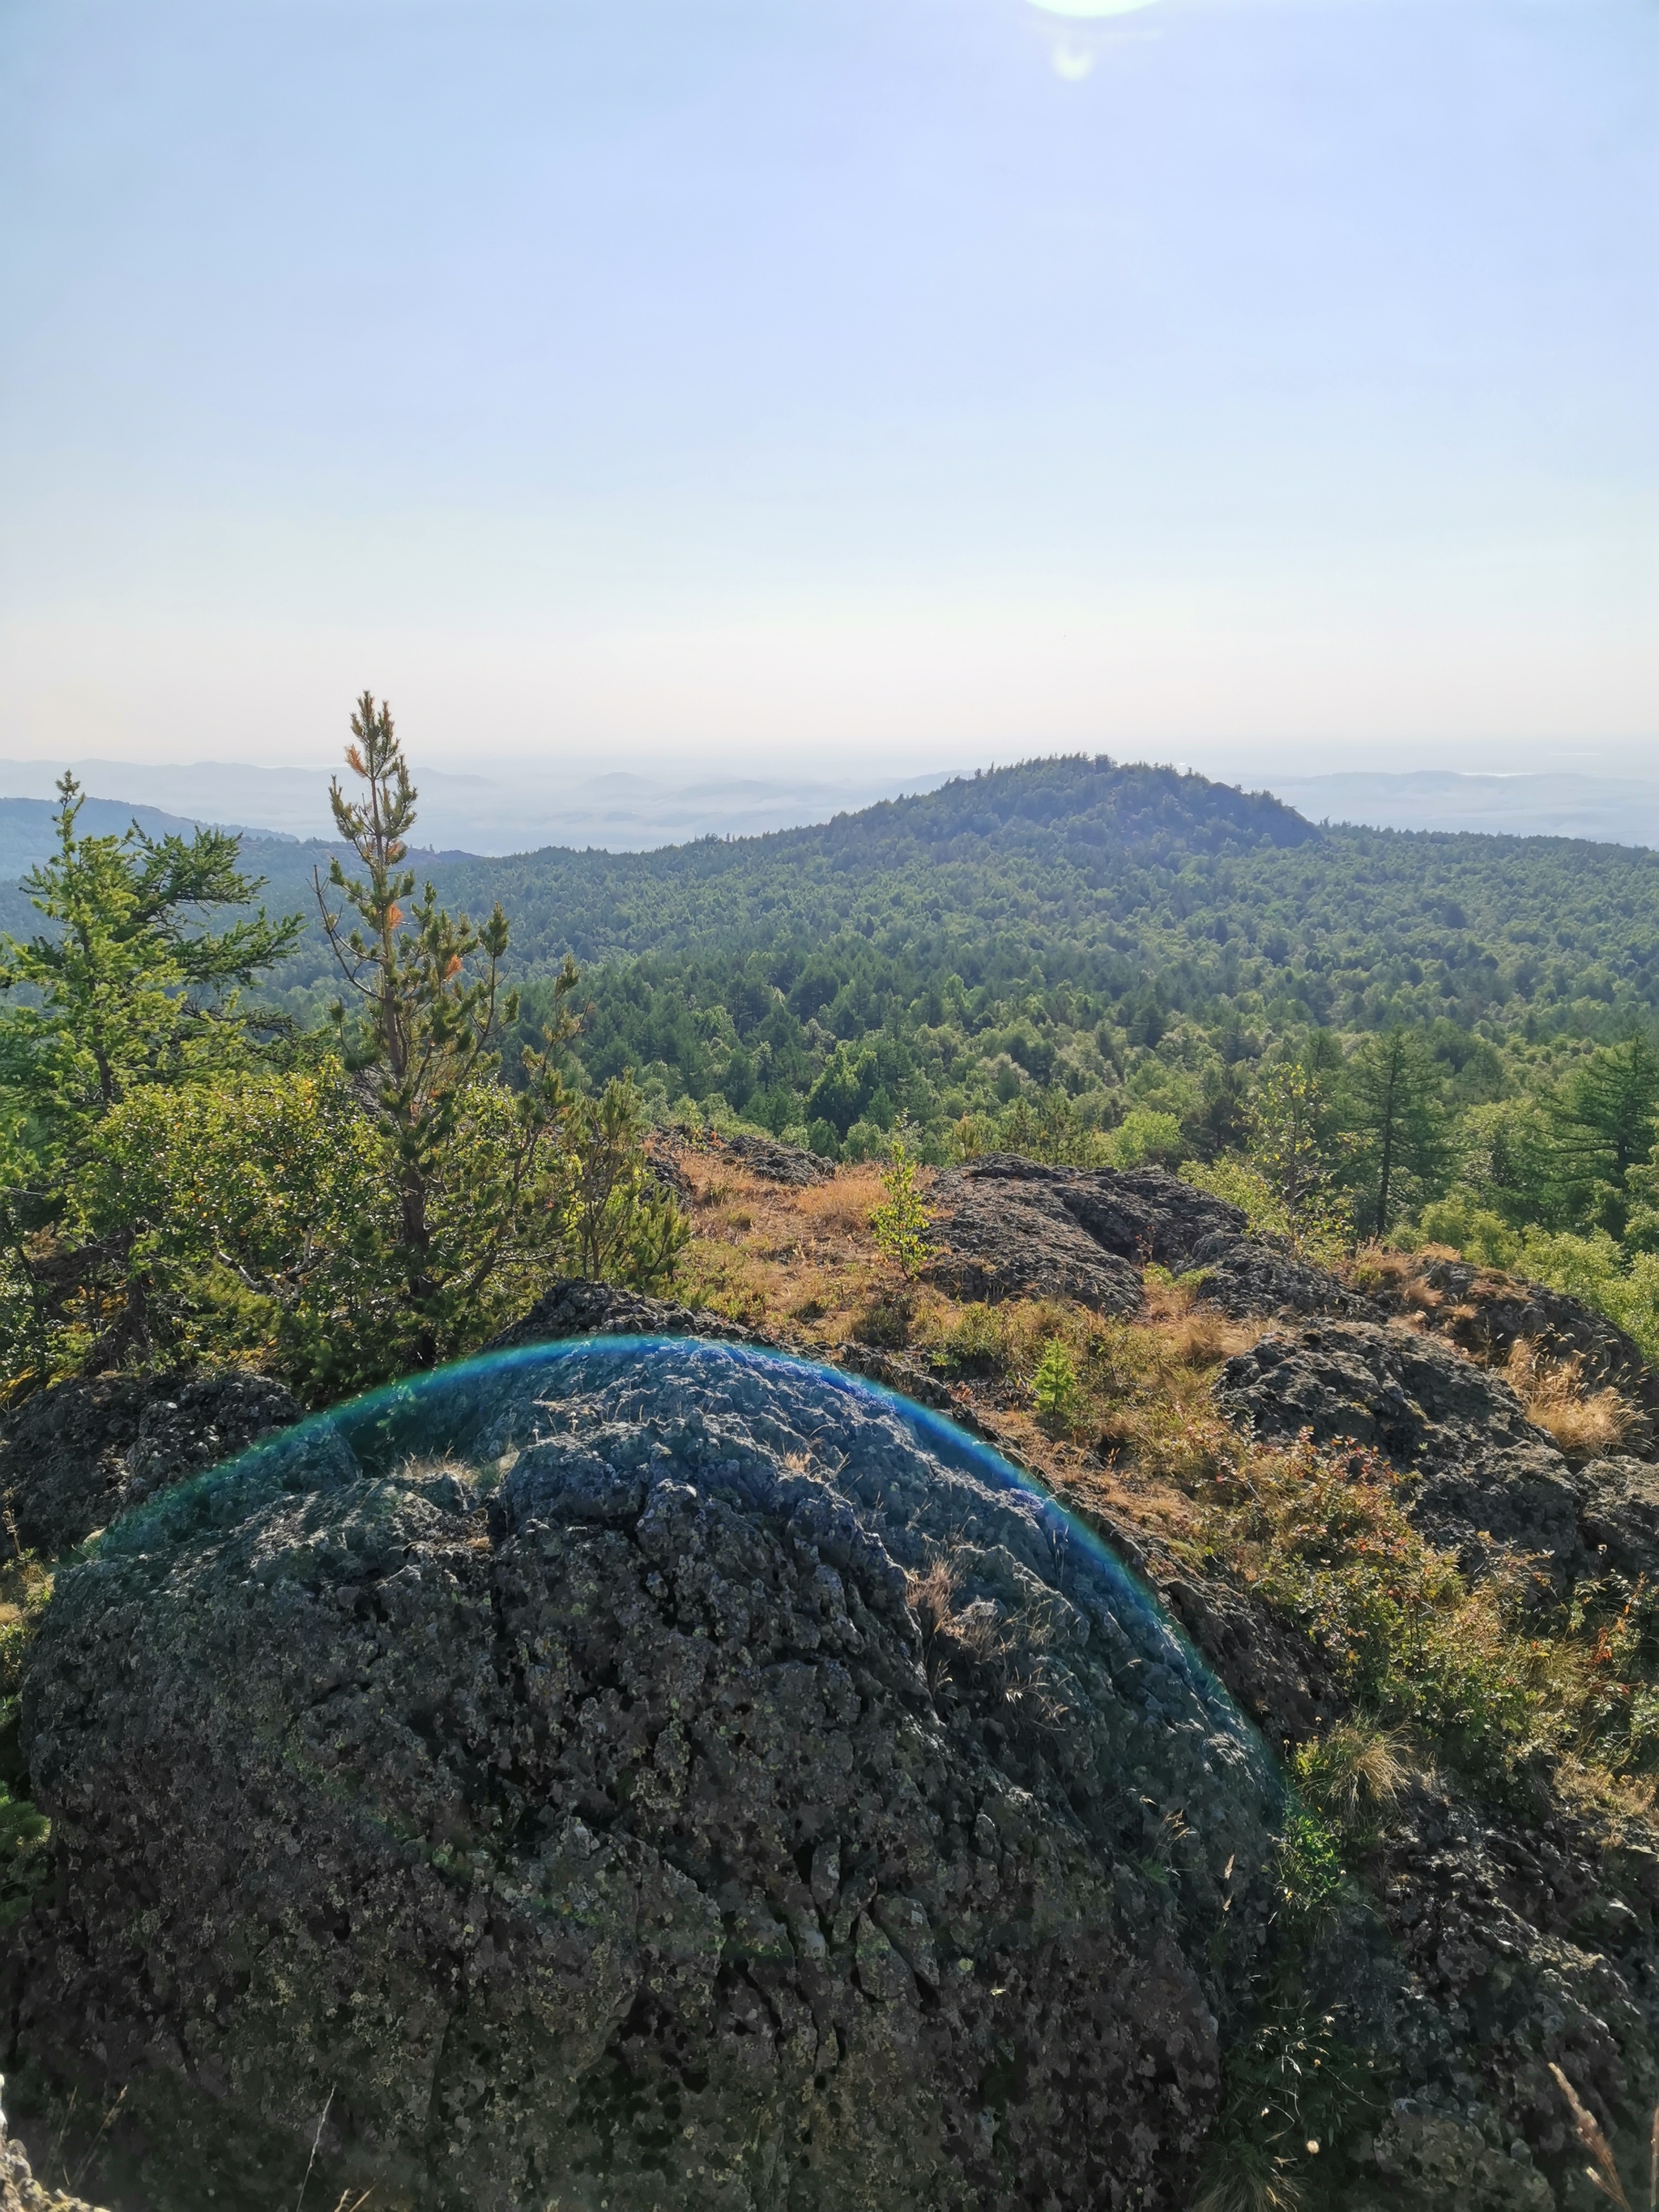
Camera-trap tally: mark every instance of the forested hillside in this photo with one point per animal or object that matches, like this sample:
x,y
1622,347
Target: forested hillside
x,y
1093,961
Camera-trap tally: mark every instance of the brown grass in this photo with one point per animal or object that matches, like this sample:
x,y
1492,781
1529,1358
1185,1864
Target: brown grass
x,y
1603,2170
800,1262
1583,1422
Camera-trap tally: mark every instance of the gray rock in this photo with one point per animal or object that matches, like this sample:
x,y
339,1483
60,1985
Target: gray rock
x,y
575,1307
1014,1237
1488,1313
1486,1475
1442,2164
74,1457
1619,1515
776,1162
1517,1934
1016,1228
612,1817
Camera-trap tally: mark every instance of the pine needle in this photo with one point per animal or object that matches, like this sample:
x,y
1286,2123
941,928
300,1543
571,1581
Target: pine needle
x,y
1604,2172
1653,2163
80,2171
316,2142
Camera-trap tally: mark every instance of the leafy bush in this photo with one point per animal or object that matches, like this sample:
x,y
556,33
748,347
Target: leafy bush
x,y
900,1224
1144,1137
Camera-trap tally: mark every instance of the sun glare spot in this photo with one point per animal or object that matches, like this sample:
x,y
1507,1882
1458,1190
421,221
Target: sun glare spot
x,y
1090,8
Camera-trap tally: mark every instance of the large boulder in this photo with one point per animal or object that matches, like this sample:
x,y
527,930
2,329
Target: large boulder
x,y
632,1777
74,1457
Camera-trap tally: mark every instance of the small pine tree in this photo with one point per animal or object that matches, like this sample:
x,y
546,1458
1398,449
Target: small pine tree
x,y
624,1225
1292,1148
1054,1387
901,1225
431,1004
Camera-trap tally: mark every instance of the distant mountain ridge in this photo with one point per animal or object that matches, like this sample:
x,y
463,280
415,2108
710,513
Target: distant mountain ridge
x,y
1070,923
27,834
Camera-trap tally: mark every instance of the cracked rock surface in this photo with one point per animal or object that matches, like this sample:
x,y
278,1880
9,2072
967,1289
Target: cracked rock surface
x,y
607,1809
74,1457
1488,1476
1016,1228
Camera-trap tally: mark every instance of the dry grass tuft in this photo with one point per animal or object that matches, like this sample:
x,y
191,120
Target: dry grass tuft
x,y
1354,1774
1602,2170
1205,1337
1251,2183
949,1632
1583,1423
840,1209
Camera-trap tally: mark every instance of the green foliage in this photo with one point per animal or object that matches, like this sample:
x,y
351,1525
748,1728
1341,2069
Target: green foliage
x,y
1055,1386
1295,2088
900,1224
256,1219
1311,1879
1397,1117
1327,1544
1289,1125
424,1025
1144,1137
623,1225
338,1214
1604,1116
1245,1186
127,988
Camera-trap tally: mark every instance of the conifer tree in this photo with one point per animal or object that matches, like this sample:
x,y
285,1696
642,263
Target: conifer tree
x,y
430,1004
1604,1124
1394,1095
130,986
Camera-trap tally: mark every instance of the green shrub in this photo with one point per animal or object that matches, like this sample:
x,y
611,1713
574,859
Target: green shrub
x,y
1055,1386
1144,1136
900,1226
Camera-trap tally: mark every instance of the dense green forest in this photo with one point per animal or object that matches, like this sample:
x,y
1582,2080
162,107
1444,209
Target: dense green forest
x,y
1357,1032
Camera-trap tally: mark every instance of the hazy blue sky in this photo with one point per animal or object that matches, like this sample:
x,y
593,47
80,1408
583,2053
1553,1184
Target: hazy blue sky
x,y
1252,382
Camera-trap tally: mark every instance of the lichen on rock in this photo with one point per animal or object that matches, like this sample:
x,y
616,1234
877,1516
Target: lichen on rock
x,y
638,1775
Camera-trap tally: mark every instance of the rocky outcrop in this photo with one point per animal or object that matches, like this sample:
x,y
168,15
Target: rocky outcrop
x,y
1277,1678
1488,1313
576,1307
775,1163
685,1781
74,1457
1486,1475
1526,1941
1014,1228
1619,1516
1013,1236
1530,1946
